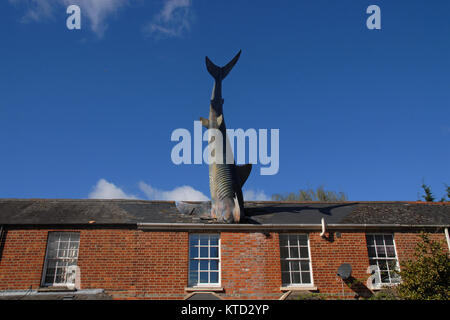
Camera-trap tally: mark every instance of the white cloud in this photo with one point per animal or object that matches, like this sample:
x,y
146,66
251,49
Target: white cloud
x,y
36,10
255,195
96,11
173,20
108,190
183,193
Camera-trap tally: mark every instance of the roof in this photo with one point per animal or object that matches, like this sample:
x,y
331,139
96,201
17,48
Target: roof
x,y
135,212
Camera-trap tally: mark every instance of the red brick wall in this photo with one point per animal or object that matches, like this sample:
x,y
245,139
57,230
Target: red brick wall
x,y
22,259
132,264
328,254
250,265
406,242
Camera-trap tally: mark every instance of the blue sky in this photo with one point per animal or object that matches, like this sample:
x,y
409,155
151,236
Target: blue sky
x,y
90,112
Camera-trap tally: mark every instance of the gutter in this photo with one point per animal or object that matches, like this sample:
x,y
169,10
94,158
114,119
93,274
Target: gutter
x,y
447,237
249,227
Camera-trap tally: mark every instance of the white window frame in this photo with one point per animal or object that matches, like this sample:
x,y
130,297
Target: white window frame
x,y
44,271
296,285
219,259
383,284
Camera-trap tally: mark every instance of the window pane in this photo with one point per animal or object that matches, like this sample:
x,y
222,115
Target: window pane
x,y
384,277
62,253
303,252
59,279
295,266
193,278
304,265
53,244
214,265
388,240
50,275
73,245
284,252
214,252
204,239
382,264
395,277
204,264
284,265
193,239
371,251
293,240
291,265
193,252
390,252
51,264
381,252
193,265
64,236
63,245
214,277
293,252
203,277
214,241
71,262
303,240
285,279
295,277
59,257
203,252
392,265
283,240
370,240
306,277
49,278
379,239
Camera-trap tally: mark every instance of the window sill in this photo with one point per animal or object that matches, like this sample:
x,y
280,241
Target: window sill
x,y
384,286
211,288
299,288
56,289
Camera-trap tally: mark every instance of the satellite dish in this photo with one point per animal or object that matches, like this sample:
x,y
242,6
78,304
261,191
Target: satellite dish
x,y
344,271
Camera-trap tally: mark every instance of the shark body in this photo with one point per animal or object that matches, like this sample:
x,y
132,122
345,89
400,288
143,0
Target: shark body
x,y
225,177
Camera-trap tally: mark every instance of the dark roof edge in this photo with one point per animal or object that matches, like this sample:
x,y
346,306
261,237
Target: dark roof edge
x,y
222,226
248,227
249,201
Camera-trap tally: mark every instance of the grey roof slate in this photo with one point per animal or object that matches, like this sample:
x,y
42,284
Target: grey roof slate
x,y
120,212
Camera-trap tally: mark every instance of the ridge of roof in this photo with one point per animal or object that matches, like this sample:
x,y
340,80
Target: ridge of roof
x,y
134,211
247,201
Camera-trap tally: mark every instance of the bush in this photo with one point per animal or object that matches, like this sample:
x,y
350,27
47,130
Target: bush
x,y
385,294
427,277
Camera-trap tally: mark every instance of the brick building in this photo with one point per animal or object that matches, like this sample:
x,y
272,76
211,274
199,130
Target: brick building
x,y
132,249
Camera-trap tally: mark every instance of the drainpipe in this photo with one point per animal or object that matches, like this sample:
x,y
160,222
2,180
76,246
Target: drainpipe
x,y
447,237
1,239
324,227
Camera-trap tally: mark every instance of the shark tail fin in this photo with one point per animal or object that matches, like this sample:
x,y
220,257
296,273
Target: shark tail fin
x,y
221,72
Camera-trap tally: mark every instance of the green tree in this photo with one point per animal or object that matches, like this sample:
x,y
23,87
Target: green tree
x,y
427,276
320,194
428,195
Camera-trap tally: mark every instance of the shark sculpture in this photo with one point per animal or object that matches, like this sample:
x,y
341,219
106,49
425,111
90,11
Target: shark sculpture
x,y
225,177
